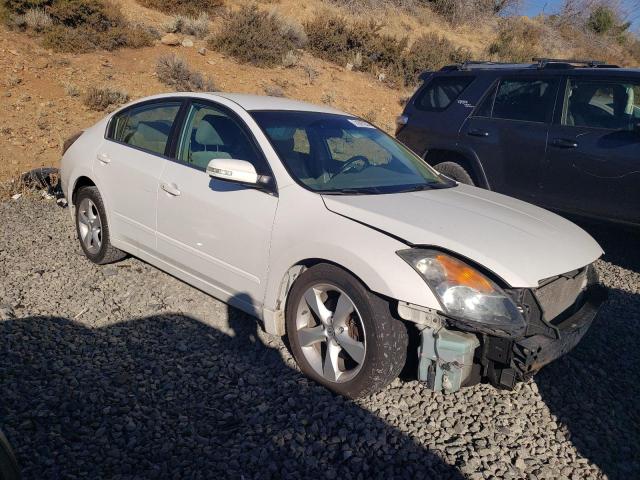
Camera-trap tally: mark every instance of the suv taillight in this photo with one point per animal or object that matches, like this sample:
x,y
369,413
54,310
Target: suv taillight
x,y
401,121
69,141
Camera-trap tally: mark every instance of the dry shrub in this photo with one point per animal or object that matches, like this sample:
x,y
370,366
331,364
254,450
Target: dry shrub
x,y
102,98
334,38
290,59
174,71
519,39
254,36
274,91
468,11
35,19
362,45
196,26
183,7
430,52
77,25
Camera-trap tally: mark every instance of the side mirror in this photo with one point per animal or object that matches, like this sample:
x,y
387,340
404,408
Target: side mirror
x,y
233,170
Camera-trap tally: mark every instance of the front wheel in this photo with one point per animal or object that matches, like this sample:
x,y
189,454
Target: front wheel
x,y
342,335
456,172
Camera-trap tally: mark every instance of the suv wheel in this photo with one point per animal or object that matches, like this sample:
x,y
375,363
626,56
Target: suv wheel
x,y
92,228
455,171
342,335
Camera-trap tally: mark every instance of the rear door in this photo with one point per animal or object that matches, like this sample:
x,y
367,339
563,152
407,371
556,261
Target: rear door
x,y
216,232
508,133
128,167
593,159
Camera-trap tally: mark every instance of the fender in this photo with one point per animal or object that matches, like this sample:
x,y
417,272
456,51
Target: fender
x,y
341,241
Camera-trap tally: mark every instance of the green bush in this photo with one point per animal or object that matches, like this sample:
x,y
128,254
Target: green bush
x,y
183,7
253,36
602,20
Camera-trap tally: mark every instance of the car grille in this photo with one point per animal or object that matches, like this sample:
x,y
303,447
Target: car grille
x,y
557,294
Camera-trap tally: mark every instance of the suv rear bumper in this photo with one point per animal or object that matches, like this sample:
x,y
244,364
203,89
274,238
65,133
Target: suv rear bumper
x,y
506,361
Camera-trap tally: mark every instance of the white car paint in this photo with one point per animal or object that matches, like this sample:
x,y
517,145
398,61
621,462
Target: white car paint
x,y
239,244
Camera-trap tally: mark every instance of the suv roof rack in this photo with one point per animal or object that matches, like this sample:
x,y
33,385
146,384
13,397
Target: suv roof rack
x,y
543,62
479,64
539,63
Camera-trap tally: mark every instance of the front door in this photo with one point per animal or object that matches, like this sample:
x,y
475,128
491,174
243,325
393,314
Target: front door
x,y
216,231
508,132
593,158
128,168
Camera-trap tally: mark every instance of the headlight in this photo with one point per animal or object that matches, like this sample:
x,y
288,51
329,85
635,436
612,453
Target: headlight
x,y
463,291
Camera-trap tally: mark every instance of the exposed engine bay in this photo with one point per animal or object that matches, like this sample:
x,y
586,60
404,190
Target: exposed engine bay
x,y
454,353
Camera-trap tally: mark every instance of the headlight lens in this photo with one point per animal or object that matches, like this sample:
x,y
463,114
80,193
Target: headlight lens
x,y
462,290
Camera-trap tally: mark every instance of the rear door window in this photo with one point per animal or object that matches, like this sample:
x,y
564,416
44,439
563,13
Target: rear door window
x,y
529,100
610,104
441,92
146,127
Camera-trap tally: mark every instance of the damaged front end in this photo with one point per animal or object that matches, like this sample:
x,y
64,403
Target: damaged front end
x,y
454,352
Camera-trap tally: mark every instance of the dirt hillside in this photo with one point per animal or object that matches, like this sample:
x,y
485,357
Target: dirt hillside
x,y
41,99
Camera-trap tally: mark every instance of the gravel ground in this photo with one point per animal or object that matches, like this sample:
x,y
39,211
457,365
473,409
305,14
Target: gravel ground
x,y
125,372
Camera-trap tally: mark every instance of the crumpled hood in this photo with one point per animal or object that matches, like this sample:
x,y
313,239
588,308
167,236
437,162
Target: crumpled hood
x,y
519,242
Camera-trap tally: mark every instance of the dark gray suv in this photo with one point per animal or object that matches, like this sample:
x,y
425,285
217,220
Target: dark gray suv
x,y
563,134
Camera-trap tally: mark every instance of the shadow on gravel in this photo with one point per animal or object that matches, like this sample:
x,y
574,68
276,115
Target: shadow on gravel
x,y
170,397
594,390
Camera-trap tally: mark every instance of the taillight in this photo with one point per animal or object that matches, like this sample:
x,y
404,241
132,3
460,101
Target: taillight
x,y
401,121
69,141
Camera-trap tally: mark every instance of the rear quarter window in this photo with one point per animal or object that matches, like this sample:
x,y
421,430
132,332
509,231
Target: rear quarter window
x,y
441,92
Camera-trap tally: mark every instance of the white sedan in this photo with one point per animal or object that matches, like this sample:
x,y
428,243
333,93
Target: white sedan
x,y
333,233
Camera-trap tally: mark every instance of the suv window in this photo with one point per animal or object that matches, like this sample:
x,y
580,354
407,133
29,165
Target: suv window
x,y
211,133
526,100
441,92
146,127
611,104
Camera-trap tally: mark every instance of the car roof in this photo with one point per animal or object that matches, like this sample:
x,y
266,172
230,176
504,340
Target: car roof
x,y
250,102
263,102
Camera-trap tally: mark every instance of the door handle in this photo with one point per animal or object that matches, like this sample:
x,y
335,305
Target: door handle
x,y
564,143
104,158
171,189
477,133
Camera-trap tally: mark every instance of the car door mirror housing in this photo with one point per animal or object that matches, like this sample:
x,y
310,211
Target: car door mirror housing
x,y
233,170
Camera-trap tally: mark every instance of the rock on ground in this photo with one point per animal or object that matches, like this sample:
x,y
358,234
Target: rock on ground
x,y
125,372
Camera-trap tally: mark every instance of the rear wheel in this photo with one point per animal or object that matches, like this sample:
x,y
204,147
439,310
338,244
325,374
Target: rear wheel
x,y
92,228
342,335
455,171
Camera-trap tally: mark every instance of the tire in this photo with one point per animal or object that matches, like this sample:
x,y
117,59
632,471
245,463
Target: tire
x,y
91,224
8,465
369,332
456,172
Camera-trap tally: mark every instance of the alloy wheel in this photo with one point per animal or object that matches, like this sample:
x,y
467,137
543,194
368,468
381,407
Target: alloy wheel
x,y
89,225
331,333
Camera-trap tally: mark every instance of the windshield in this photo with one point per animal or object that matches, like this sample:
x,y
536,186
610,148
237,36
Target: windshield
x,y
339,154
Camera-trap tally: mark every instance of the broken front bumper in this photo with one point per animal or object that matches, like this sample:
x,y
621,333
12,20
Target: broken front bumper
x,y
505,361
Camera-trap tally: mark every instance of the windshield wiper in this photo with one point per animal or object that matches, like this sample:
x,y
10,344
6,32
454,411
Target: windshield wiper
x,y
353,191
427,186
